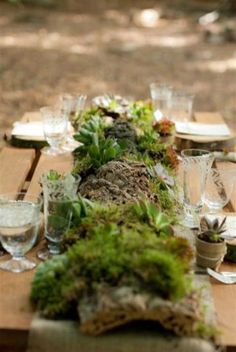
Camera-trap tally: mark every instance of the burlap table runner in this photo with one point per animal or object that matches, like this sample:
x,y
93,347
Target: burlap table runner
x,y
64,336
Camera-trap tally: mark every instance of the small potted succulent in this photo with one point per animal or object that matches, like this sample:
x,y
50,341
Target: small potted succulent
x,y
166,130
210,246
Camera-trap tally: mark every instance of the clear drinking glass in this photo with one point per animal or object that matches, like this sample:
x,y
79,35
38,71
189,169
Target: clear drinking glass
x,y
57,197
19,227
196,165
161,96
72,105
181,106
219,188
55,128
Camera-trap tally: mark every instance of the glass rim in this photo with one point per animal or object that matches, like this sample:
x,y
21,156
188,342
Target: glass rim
x,y
44,180
18,196
160,85
182,94
202,152
51,112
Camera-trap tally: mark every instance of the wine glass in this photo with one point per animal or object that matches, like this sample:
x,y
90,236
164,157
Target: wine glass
x,y
19,227
54,127
71,105
219,188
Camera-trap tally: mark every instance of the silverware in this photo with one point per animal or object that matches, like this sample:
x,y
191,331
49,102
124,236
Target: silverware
x,y
225,277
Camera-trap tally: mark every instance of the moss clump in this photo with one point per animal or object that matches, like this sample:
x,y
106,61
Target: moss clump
x,y
49,286
142,217
115,258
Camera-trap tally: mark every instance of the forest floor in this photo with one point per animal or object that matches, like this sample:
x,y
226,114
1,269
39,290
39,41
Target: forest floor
x,y
44,52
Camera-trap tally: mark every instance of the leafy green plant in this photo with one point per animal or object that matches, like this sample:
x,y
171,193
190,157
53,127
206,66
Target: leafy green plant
x,y
150,213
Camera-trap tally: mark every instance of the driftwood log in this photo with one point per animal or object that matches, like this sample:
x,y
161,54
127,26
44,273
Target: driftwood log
x,y
111,307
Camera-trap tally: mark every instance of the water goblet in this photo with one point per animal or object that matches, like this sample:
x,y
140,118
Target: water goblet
x,y
19,227
58,196
196,164
54,127
72,105
219,188
161,95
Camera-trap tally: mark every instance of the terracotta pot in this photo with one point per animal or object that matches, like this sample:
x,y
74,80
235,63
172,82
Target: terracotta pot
x,y
209,255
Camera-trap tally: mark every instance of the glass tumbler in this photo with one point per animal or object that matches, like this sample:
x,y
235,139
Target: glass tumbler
x,y
19,227
196,165
55,128
58,196
161,95
181,106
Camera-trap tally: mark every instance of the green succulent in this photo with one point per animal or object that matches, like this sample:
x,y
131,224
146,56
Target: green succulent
x,y
211,230
150,213
95,148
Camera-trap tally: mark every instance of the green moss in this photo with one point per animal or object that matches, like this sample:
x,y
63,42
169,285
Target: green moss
x,y
49,287
165,197
114,258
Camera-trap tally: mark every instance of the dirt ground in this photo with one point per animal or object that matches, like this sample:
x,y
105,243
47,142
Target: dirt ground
x,y
95,50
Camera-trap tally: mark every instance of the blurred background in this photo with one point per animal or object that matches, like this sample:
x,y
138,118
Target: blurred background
x,y
118,46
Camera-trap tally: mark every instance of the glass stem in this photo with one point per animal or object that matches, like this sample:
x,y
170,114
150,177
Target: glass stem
x,y
17,257
54,248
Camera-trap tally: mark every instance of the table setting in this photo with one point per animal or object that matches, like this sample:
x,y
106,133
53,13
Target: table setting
x,y
122,209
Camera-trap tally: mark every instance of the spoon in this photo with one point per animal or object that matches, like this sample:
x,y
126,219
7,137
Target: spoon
x,y
225,277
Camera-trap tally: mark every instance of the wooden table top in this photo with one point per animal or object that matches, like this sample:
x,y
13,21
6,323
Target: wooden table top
x,y
20,170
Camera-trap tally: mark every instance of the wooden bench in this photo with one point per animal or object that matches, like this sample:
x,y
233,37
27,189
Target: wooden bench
x,y
20,169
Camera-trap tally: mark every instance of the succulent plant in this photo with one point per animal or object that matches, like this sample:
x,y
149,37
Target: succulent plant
x,y
211,230
121,130
164,127
95,146
111,105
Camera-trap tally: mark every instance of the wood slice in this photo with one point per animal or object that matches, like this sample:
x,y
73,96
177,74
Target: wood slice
x,y
185,141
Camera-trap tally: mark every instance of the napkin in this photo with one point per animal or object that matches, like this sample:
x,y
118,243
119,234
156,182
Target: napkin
x,y
28,130
32,130
202,129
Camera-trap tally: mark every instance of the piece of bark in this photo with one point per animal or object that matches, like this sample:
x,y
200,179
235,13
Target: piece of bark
x,y
111,307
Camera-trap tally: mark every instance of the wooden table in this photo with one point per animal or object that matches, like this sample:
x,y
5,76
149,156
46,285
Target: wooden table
x,y
20,169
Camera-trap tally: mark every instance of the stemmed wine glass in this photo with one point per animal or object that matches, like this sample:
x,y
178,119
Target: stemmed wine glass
x,y
54,127
19,227
71,105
